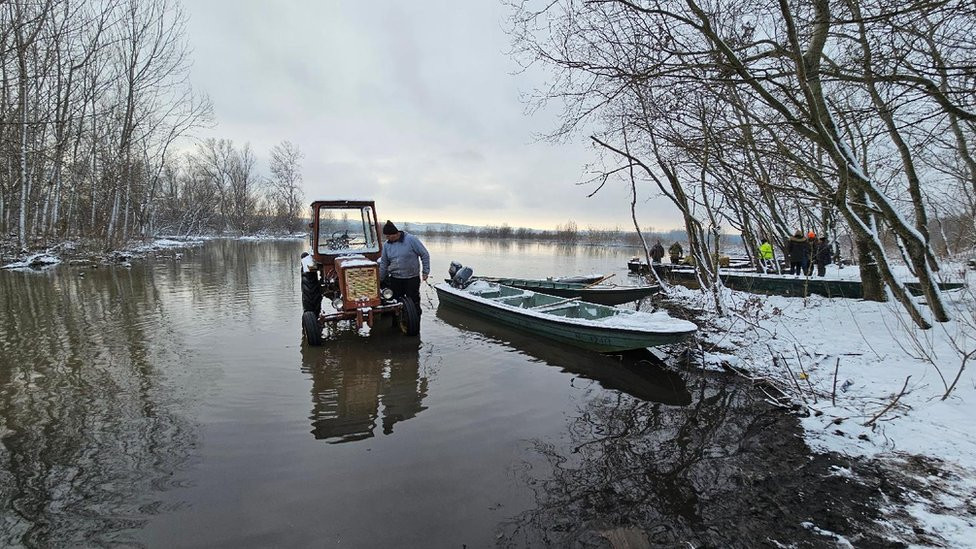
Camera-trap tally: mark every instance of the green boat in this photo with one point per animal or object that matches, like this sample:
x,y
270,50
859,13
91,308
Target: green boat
x,y
793,286
581,279
637,266
587,325
604,295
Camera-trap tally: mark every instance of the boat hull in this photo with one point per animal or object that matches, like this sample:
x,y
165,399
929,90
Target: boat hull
x,y
616,295
600,339
581,279
639,267
791,286
638,373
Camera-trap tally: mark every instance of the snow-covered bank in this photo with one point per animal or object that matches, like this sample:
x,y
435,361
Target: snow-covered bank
x,y
91,254
34,261
264,237
846,363
166,243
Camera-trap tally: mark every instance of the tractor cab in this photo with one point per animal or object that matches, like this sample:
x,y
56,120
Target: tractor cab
x,y
342,228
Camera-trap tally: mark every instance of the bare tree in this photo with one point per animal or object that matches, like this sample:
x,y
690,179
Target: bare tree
x,y
93,94
743,103
243,191
286,193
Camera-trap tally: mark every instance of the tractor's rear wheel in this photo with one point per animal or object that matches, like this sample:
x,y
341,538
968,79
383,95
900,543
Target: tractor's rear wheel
x,y
312,329
311,293
409,317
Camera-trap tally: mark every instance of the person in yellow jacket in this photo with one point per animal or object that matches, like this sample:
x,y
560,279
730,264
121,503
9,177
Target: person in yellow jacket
x,y
766,256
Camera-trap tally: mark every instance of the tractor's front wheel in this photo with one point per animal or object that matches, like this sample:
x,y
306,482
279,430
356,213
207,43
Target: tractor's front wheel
x,y
312,329
311,293
409,317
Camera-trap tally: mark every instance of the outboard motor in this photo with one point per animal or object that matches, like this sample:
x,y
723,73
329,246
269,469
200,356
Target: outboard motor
x,y
455,267
462,277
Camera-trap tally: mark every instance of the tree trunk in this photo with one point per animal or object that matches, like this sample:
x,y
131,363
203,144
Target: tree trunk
x,y
110,232
24,174
126,207
871,283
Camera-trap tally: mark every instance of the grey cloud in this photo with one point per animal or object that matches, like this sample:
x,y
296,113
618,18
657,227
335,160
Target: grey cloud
x,y
414,105
466,156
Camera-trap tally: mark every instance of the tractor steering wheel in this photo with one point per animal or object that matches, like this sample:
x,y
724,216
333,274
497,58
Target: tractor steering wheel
x,y
339,240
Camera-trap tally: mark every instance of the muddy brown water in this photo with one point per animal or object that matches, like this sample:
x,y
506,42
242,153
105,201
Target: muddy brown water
x,y
172,403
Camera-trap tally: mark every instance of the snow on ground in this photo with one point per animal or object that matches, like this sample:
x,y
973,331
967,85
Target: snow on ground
x,y
166,243
34,261
261,237
875,350
840,540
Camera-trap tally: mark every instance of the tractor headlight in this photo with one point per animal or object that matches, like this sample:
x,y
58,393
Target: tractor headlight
x,y
337,303
387,293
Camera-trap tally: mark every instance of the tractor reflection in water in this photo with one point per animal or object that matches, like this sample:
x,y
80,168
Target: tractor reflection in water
x,y
358,386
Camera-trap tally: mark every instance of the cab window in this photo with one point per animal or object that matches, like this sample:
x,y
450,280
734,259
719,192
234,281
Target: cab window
x,y
347,231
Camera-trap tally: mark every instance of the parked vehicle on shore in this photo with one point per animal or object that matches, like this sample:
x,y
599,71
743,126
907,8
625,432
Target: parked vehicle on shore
x,y
341,267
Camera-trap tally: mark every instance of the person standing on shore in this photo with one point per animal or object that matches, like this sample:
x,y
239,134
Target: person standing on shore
x,y
657,252
675,251
766,256
799,252
812,247
403,262
824,256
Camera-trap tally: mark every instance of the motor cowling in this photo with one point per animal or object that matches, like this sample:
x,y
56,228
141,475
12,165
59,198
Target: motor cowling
x,y
462,277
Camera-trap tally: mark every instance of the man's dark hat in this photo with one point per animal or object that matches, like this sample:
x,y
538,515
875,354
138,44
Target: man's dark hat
x,y
390,228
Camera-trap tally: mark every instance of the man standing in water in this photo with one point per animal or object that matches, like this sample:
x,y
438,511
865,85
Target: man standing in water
x,y
399,265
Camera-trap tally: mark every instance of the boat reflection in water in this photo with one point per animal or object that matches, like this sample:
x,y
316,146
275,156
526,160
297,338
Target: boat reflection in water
x,y
358,382
636,373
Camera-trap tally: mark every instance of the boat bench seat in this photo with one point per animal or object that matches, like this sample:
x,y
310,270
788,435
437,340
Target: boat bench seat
x,y
530,301
580,310
498,291
488,294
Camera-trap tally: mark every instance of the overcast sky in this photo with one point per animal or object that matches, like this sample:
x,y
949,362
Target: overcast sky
x,y
415,105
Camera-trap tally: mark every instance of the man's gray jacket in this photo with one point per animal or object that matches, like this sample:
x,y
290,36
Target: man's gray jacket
x,y
399,259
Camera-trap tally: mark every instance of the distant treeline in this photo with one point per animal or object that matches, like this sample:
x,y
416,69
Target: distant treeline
x,y
569,233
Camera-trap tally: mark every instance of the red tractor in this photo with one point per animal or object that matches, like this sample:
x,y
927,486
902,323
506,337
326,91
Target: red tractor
x,y
342,267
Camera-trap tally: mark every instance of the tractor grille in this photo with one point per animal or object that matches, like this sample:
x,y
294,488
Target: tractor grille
x,y
361,283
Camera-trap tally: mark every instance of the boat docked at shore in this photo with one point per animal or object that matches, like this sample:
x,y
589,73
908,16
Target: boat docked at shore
x,y
636,265
791,286
587,325
581,279
601,294
639,373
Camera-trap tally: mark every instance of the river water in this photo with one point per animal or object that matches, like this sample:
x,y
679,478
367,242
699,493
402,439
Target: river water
x,y
172,403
